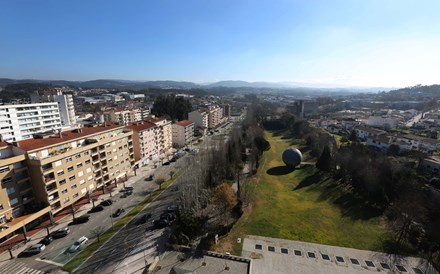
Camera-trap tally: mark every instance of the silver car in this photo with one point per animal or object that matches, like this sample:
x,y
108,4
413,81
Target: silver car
x,y
76,245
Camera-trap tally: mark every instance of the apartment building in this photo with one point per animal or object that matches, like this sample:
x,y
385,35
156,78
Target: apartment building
x,y
183,133
199,117
215,116
67,109
125,117
68,165
20,122
164,135
17,199
144,142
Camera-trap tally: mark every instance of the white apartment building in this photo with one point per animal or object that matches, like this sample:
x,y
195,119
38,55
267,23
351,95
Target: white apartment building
x,y
215,116
183,133
67,109
144,141
199,118
20,122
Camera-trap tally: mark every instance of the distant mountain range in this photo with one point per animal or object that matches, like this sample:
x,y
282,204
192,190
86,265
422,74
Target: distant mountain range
x,y
125,84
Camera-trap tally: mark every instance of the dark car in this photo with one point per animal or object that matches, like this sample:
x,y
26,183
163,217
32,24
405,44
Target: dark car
x,y
106,202
128,192
143,219
32,250
46,240
149,178
166,164
118,212
81,219
96,209
173,160
129,188
63,232
159,223
169,217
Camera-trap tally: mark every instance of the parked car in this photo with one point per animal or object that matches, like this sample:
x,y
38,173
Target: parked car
x,y
81,219
128,192
96,209
166,164
46,240
32,250
106,202
63,232
173,160
76,245
118,212
149,178
129,188
143,219
159,223
170,217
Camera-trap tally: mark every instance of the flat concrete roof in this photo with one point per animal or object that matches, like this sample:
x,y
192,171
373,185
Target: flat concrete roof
x,y
272,255
174,262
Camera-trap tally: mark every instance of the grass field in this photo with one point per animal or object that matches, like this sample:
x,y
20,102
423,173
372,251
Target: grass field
x,y
303,205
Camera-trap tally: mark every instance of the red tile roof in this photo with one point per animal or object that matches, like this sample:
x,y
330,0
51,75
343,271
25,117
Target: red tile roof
x,y
32,144
140,126
154,119
4,144
184,123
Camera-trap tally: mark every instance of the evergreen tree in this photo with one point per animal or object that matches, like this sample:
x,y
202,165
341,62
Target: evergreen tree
x,y
324,162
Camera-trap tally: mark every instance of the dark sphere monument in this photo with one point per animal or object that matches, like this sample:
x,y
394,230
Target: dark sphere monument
x,y
292,157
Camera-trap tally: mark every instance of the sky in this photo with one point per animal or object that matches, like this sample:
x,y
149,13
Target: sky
x,y
386,43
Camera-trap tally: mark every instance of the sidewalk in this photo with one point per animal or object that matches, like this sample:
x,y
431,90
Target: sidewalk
x,y
64,216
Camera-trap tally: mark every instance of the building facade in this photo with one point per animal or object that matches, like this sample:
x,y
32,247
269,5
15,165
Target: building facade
x,y
67,109
164,135
199,118
183,133
144,142
20,122
67,166
215,116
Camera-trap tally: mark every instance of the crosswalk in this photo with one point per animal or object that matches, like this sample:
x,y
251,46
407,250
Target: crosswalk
x,y
14,267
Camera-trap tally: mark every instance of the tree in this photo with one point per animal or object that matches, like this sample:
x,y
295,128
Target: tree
x,y
353,136
324,162
393,149
224,198
97,232
172,172
160,181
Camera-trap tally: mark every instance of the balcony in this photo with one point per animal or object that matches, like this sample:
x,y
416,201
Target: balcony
x,y
104,163
101,147
47,168
53,198
95,159
94,151
55,206
51,187
49,178
102,155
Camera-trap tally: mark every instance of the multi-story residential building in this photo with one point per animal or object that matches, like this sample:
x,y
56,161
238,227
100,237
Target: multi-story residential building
x,y
215,116
17,200
227,111
164,136
125,117
66,166
144,142
67,109
20,122
199,117
183,133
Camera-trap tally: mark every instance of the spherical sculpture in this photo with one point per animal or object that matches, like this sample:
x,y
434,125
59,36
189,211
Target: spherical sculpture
x,y
292,157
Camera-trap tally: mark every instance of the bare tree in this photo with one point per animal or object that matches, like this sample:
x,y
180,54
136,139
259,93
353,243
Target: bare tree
x,y
172,172
97,232
160,181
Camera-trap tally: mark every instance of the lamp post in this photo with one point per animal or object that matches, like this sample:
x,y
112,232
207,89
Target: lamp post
x,y
111,218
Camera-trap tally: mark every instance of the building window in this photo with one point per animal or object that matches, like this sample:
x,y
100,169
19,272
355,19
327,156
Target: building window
x,y
13,202
82,182
4,169
81,173
72,177
10,190
64,191
62,182
79,165
70,168
60,172
87,162
86,152
73,186
77,156
68,159
66,200
6,180
75,195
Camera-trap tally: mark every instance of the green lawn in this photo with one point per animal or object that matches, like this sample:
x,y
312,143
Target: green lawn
x,y
303,205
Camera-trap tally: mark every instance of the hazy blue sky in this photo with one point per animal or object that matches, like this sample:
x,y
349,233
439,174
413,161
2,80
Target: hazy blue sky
x,y
352,42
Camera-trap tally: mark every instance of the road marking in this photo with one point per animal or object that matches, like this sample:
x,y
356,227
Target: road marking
x,y
49,262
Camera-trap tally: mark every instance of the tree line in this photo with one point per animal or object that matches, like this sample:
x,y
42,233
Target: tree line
x,y
172,107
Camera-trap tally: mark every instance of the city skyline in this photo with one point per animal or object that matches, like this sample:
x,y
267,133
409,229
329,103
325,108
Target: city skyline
x,y
343,43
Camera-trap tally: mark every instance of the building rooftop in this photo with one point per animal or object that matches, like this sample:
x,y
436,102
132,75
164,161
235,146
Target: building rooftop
x,y
272,255
140,126
184,123
66,136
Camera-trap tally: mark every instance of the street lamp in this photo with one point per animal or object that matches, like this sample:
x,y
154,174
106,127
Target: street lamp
x,y
111,218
